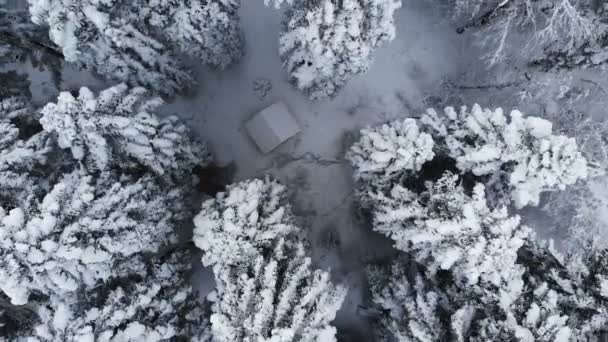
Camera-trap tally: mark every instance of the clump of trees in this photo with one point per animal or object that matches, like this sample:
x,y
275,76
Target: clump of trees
x,y
93,189
468,269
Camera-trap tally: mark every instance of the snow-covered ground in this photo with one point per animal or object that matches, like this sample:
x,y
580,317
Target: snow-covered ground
x,y
425,52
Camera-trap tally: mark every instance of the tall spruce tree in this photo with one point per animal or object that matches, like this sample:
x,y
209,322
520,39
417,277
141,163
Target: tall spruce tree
x,y
325,43
143,43
267,288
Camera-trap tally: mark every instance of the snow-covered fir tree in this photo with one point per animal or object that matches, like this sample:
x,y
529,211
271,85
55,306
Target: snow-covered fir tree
x,y
545,303
407,310
324,43
160,306
275,296
119,126
23,154
79,231
106,38
74,221
140,42
519,153
243,222
446,229
266,286
557,302
386,153
206,30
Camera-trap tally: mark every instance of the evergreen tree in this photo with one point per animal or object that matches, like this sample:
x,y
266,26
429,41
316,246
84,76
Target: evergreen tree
x,y
158,307
76,229
276,296
386,153
407,310
267,289
470,272
119,126
244,221
519,154
515,157
79,232
445,229
324,43
205,30
140,43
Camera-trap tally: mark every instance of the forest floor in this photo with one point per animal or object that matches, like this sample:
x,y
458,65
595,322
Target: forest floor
x,y
401,81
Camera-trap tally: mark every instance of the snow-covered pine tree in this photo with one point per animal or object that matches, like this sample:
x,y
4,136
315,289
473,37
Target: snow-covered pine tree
x,y
516,157
558,299
206,30
23,153
158,305
275,296
408,310
107,38
119,126
140,42
550,305
243,222
520,154
324,43
69,226
80,231
387,153
447,230
267,289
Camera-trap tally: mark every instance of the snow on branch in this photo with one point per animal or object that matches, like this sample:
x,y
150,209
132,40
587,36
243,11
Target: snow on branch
x,y
473,272
445,229
275,297
514,154
121,122
159,307
243,221
562,27
524,149
78,233
409,310
390,150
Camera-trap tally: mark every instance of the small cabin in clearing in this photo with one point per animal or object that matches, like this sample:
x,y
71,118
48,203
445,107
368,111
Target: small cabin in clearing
x,y
272,126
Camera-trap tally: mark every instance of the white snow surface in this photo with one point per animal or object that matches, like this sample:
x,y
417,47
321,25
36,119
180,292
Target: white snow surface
x,y
312,164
